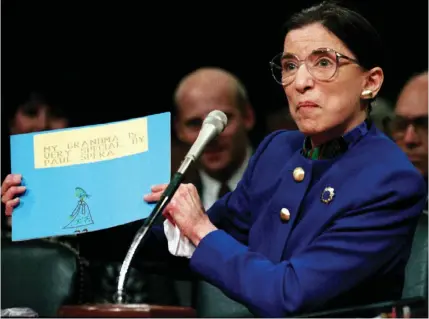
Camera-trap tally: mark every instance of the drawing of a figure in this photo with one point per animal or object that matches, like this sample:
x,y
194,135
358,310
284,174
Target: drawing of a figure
x,y
81,215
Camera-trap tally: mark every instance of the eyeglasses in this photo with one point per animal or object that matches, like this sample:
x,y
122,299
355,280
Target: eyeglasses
x,y
322,64
398,125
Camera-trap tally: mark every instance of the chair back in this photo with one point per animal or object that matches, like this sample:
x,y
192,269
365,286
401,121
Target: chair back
x,y
38,274
416,271
211,302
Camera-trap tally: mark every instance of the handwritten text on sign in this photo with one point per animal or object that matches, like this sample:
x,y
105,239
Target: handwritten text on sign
x,y
90,144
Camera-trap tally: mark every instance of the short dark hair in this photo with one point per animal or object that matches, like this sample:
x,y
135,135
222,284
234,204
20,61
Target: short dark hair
x,y
348,25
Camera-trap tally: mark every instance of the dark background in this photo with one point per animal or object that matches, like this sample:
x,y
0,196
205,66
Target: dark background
x,y
106,61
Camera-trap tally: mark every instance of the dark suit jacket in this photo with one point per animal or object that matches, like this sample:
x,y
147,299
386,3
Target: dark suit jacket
x,y
349,251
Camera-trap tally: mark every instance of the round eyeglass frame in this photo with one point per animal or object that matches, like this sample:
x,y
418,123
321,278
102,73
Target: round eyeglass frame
x,y
305,61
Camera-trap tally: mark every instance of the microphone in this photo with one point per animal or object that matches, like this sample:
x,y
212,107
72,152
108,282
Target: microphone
x,y
212,126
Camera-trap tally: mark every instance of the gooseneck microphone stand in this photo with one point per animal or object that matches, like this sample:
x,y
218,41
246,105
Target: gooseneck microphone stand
x,y
213,125
141,233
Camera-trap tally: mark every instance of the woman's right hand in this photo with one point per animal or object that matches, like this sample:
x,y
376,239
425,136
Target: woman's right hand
x,y
10,188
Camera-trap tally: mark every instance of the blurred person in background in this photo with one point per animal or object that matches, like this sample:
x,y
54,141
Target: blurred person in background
x,y
33,114
410,125
224,160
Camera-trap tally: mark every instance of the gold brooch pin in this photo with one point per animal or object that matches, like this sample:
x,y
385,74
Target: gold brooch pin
x,y
327,195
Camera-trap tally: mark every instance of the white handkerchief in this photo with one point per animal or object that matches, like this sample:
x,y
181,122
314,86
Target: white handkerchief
x,y
178,245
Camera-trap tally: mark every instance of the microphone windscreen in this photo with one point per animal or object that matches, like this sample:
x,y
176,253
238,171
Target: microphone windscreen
x,y
218,119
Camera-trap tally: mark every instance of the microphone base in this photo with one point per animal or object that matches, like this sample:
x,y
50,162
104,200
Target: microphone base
x,y
120,297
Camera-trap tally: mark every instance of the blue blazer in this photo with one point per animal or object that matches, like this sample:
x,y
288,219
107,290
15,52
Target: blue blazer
x,y
348,251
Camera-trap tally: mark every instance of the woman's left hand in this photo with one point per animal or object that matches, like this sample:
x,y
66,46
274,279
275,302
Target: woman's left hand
x,y
185,210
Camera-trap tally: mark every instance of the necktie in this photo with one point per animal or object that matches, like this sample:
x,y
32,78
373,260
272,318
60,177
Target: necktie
x,y
224,189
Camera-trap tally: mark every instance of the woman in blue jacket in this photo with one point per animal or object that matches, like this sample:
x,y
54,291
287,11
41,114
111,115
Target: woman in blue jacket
x,y
324,216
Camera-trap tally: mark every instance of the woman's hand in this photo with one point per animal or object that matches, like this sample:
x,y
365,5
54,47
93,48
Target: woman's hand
x,y
185,210
10,189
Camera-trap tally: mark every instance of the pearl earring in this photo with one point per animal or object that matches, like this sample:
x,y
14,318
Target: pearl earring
x,y
366,94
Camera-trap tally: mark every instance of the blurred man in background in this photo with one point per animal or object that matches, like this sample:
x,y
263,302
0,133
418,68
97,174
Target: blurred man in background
x,y
225,158
409,129
410,126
